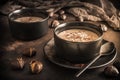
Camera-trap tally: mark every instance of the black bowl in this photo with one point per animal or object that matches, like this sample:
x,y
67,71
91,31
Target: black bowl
x,y
77,52
28,30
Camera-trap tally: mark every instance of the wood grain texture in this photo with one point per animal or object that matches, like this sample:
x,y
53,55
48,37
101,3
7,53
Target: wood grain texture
x,y
11,48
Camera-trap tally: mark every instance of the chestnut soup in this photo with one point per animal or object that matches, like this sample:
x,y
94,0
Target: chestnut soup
x,y
78,35
28,19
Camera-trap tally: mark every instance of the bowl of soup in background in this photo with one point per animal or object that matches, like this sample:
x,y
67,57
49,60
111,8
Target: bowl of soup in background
x,y
28,24
77,42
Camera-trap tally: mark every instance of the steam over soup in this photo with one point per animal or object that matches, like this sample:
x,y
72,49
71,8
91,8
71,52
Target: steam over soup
x,y
78,35
29,19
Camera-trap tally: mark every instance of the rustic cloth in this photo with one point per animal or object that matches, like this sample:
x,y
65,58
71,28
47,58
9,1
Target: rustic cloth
x,y
89,10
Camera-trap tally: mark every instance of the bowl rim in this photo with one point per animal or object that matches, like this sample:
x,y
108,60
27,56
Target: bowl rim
x,y
20,10
67,23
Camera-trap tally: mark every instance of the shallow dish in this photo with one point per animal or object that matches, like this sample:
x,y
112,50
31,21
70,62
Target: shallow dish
x,y
49,52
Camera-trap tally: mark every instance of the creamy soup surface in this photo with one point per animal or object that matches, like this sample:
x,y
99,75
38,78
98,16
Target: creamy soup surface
x,y
78,35
29,19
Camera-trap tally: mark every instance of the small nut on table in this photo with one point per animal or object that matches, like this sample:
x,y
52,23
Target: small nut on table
x,y
61,12
51,14
117,64
36,66
111,71
18,63
55,23
103,27
50,10
29,52
63,16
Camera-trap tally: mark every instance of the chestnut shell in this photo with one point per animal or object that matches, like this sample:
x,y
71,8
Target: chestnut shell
x,y
29,52
18,64
36,66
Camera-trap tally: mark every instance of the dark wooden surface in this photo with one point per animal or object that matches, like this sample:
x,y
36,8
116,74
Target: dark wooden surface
x,y
11,49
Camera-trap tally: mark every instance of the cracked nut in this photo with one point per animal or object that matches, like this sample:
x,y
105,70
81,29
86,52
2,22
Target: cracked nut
x,y
30,52
36,66
18,63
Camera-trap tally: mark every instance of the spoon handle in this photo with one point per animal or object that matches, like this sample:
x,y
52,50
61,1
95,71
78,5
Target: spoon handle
x,y
87,66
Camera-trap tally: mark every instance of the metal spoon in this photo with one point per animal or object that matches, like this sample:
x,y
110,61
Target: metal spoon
x,y
106,49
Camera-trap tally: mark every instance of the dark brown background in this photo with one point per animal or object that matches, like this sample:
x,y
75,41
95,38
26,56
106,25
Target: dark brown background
x,y
11,48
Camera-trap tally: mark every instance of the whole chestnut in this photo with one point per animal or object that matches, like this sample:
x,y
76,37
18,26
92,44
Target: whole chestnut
x,y
36,66
103,27
81,19
63,16
51,14
117,65
111,71
55,23
18,63
61,12
30,52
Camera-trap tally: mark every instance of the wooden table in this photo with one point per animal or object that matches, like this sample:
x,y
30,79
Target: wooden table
x,y
11,48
